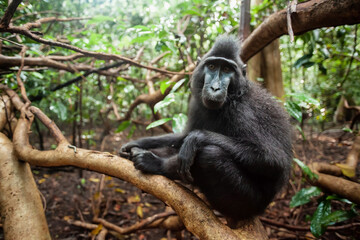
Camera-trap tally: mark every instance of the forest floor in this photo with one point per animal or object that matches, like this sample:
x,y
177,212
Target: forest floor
x,y
72,194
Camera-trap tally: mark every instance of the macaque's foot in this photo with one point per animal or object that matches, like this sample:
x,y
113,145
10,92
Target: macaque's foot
x,y
146,161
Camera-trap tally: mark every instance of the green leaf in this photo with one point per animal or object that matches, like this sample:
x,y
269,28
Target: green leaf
x,y
303,60
123,126
317,228
132,130
306,169
346,129
177,85
37,75
158,123
304,195
83,181
335,197
179,122
59,109
294,110
337,216
164,85
191,12
143,38
167,101
303,97
298,127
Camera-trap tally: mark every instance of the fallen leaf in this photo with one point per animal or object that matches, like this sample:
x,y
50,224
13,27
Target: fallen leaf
x,y
346,170
97,230
139,211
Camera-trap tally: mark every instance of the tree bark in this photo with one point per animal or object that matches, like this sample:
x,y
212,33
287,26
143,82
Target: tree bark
x,y
272,69
20,204
266,65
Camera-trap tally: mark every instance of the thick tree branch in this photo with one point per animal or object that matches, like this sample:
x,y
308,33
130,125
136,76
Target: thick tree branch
x,y
308,16
329,179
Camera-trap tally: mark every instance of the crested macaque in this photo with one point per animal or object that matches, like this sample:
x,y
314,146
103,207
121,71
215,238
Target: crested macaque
x,y
236,147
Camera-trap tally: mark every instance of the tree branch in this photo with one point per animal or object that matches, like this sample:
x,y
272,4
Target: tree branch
x,y
9,13
309,15
103,56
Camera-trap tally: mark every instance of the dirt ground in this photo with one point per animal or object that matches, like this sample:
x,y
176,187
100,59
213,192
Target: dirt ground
x,y
71,194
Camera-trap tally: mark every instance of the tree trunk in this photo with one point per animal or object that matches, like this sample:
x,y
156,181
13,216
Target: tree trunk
x,y
265,67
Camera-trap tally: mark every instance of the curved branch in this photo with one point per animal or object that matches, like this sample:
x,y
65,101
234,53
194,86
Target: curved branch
x,y
308,16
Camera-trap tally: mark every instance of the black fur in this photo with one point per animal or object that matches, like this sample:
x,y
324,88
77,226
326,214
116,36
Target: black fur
x,y
239,154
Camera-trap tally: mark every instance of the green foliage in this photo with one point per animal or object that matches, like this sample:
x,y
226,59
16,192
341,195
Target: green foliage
x,y
299,103
304,195
158,123
306,170
323,215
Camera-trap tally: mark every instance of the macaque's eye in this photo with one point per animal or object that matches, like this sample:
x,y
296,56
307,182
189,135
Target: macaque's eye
x,y
211,66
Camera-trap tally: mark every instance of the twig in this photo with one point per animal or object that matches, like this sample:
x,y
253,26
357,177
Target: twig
x,y
35,13
10,41
54,130
20,83
139,225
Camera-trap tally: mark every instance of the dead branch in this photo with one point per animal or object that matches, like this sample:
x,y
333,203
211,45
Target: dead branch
x,y
137,226
309,15
21,208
